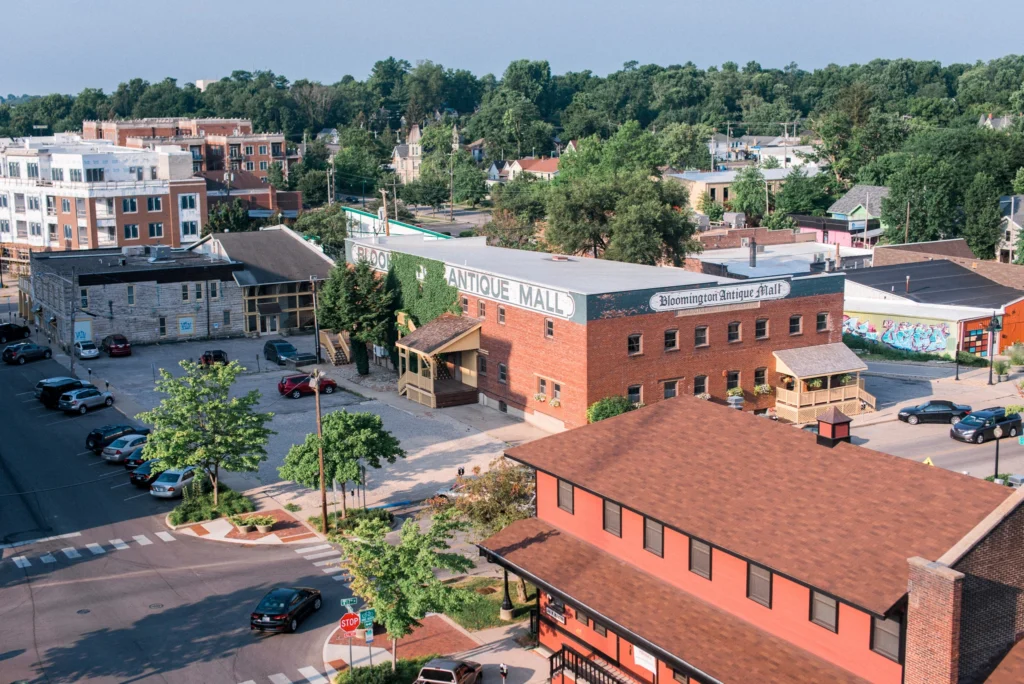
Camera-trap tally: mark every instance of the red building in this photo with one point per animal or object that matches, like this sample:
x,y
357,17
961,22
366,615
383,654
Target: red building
x,y
689,542
544,336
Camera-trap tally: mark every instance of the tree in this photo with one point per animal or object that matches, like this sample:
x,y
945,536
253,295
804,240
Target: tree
x,y
275,177
770,163
609,407
329,225
356,300
350,442
749,194
982,216
802,194
496,498
685,146
398,580
313,185
199,424
711,208
930,186
779,221
1018,182
525,197
228,217
505,229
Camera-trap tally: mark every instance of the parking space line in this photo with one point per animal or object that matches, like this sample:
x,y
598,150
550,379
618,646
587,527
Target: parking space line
x,y
71,552
21,561
340,578
123,484
21,394
96,463
325,554
310,549
142,539
84,453
166,536
48,558
96,549
62,420
118,544
137,496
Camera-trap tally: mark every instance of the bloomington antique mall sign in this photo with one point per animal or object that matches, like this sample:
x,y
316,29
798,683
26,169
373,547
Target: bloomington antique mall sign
x,y
545,300
739,293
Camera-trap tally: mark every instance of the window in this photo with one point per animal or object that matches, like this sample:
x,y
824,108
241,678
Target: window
x,y
680,677
214,287
51,228
654,533
263,149
19,202
612,518
671,340
5,226
464,302
163,326
634,344
135,171
556,391
582,617
700,384
600,629
83,295
32,170
760,376
188,201
542,386
156,230
199,292
22,228
248,149
732,379
3,200
67,231
75,175
759,585
824,611
51,205
481,309
14,169
65,205
885,637
83,236
131,295
264,166
189,228
227,317
502,374
131,231
152,173
700,336
671,388
249,166
481,364
501,315
761,328
184,292
56,174
635,393
94,175
33,203
733,334
565,495
549,328
796,325
154,204
821,322
700,558
36,229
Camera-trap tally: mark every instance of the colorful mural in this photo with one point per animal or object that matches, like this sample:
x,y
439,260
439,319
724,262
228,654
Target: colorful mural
x,y
930,338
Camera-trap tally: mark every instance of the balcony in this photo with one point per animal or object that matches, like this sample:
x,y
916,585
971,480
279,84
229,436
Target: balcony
x,y
815,379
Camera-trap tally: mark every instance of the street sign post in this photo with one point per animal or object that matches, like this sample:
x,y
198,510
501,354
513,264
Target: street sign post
x,y
369,635
349,602
366,617
349,623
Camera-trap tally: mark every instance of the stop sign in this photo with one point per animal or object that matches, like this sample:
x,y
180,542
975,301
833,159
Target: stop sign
x,y
350,622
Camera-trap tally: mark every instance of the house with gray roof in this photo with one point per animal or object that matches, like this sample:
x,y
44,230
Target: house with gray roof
x,y
1011,208
860,204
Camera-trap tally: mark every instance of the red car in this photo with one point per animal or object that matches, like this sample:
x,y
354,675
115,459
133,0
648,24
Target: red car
x,y
297,385
116,345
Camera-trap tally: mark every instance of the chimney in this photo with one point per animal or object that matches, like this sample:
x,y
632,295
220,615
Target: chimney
x,y
753,253
833,428
932,623
908,284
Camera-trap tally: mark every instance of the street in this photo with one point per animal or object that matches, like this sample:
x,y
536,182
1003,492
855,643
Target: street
x,y
106,593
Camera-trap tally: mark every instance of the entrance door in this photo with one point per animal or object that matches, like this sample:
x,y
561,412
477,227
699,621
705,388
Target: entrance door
x,y
455,365
268,323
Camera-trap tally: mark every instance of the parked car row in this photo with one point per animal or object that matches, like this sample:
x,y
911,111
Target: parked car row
x,y
125,445
966,424
71,395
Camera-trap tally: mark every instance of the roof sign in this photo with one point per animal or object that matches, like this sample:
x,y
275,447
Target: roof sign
x,y
717,296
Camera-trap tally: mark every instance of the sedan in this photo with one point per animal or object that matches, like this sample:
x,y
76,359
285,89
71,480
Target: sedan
x,y
146,474
86,350
295,386
136,458
935,411
168,484
284,608
81,400
116,345
25,351
13,331
102,437
121,447
980,426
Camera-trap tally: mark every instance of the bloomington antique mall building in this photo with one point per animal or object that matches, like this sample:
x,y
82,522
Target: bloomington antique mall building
x,y
544,336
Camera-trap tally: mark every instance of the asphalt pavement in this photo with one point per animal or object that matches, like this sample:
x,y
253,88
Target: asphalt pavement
x,y
93,586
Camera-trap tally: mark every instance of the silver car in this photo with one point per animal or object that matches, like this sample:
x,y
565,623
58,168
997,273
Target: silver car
x,y
86,350
121,447
170,483
81,400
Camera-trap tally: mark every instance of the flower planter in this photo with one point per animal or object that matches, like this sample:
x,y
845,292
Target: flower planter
x,y
245,529
1004,377
264,529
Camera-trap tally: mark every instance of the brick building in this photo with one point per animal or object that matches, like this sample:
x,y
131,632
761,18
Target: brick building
x,y
549,335
62,192
688,542
262,199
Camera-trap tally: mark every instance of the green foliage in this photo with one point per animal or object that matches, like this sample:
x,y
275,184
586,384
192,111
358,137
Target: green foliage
x,y
608,408
525,197
1016,354
199,423
482,610
229,217
497,497
329,225
339,524
201,507
981,226
770,163
801,194
711,208
356,300
507,230
748,194
883,351
399,580
292,507
1005,477
778,221
685,146
1001,367
1018,182
275,177
425,300
405,672
313,185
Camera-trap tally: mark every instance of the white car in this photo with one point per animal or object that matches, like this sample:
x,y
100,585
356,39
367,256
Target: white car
x,y
86,350
121,447
170,483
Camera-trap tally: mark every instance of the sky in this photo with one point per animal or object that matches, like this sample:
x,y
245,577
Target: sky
x,y
100,43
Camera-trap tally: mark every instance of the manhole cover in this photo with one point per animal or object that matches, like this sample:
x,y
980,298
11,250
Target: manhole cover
x,y
84,611
156,606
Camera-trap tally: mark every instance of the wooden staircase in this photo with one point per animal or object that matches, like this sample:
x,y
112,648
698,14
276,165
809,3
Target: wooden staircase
x,y
337,346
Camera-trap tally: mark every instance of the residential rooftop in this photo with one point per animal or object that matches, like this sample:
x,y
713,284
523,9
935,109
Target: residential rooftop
x,y
271,255
936,282
730,176
788,258
867,196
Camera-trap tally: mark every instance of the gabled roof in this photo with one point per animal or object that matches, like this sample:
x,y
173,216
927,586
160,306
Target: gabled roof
x,y
432,336
843,520
546,165
867,196
821,359
1012,207
936,282
239,180
956,247
271,255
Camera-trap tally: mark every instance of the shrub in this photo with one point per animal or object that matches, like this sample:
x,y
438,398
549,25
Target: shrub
x,y
608,408
1016,354
292,507
887,352
262,520
1015,408
734,392
355,516
1002,476
381,673
199,507
761,390
1001,367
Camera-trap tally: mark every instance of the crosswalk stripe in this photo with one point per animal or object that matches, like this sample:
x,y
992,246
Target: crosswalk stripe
x,y
312,675
326,562
325,554
310,549
142,539
96,549
331,673
71,552
48,558
166,536
280,679
249,682
118,544
21,561
331,571
340,578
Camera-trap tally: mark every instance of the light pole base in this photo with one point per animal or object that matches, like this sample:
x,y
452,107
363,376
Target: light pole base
x,y
505,614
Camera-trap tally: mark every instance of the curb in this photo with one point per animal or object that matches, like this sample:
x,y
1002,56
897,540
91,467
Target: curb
x,y
175,528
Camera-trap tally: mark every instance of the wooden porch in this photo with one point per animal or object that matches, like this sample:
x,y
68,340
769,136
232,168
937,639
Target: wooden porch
x,y
437,362
815,379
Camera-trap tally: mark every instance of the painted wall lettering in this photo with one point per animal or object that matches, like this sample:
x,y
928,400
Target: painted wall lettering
x,y
525,295
717,296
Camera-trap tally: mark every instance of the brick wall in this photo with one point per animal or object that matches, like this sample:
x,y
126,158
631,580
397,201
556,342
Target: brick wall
x,y
933,623
733,237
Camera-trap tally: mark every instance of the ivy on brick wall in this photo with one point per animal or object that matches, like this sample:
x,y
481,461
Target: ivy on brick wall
x,y
426,299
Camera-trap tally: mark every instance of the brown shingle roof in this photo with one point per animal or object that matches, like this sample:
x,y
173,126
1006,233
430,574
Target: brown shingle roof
x,y
1010,669
431,336
954,247
844,520
705,637
821,359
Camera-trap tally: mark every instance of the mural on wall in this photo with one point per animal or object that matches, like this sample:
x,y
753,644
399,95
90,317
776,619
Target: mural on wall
x,y
929,338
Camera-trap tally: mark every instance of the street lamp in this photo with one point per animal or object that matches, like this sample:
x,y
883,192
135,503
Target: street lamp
x,y
998,434
993,328
314,382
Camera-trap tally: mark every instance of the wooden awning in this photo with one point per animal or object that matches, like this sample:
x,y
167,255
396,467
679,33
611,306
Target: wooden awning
x,y
822,359
446,333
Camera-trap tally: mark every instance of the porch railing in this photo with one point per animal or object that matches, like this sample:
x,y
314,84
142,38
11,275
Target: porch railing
x,y
833,395
569,662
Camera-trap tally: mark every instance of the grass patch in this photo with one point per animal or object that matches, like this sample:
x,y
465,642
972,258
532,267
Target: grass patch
x,y
337,524
405,673
483,609
292,507
882,352
199,507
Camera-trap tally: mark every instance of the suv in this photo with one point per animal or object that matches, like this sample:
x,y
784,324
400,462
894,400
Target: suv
x,y
12,331
444,671
116,345
81,400
49,390
103,436
295,386
981,425
278,351
212,356
25,351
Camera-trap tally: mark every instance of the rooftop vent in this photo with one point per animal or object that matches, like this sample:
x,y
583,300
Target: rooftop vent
x,y
159,253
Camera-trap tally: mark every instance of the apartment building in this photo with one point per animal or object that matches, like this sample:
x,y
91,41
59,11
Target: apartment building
x,y
62,192
687,542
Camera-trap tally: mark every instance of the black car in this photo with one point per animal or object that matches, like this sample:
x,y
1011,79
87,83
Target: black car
x,y
25,351
145,474
980,426
935,411
49,391
352,200
13,331
284,608
279,350
136,458
212,356
102,437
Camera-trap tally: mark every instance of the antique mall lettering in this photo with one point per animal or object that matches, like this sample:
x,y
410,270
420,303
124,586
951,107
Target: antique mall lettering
x,y
718,296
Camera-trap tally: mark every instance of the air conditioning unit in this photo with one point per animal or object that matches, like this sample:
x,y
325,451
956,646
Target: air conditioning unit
x,y
819,257
133,251
744,242
159,253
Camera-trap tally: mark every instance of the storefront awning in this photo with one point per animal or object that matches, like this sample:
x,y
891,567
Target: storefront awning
x,y
446,333
268,308
822,359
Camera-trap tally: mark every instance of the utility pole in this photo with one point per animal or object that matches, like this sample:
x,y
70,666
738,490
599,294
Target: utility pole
x,y
384,206
330,183
394,195
316,318
71,321
906,226
314,382
451,187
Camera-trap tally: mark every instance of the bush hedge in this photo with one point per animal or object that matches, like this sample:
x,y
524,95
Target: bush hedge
x,y
406,672
355,516
198,506
888,353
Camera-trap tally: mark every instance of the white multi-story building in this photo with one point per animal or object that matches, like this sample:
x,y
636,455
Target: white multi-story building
x,y
63,192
